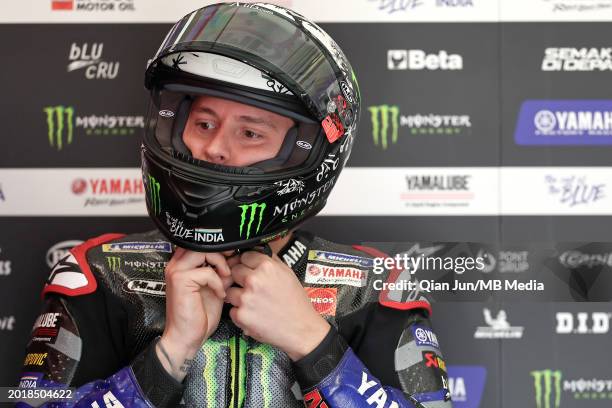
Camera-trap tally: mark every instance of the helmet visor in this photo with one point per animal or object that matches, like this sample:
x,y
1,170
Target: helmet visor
x,y
274,39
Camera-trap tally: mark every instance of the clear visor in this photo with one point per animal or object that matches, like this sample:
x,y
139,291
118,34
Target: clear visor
x,y
277,44
228,134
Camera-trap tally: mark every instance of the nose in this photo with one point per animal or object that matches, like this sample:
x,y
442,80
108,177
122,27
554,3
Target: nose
x,y
216,148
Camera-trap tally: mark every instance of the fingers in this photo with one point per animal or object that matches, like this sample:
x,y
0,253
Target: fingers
x,y
198,277
242,275
234,296
253,258
185,259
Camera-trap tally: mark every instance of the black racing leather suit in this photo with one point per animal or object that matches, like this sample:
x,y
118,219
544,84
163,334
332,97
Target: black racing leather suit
x,y
105,306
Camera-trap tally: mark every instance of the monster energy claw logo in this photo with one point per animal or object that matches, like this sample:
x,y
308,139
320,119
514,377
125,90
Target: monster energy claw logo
x,y
60,124
114,263
545,387
383,118
154,194
251,210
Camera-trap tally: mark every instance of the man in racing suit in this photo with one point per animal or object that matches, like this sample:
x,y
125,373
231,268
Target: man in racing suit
x,y
208,313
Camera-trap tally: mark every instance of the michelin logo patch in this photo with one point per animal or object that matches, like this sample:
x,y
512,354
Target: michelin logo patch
x,y
138,247
338,258
424,336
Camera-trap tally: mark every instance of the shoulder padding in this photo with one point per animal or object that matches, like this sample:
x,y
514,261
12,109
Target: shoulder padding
x,y
385,297
72,276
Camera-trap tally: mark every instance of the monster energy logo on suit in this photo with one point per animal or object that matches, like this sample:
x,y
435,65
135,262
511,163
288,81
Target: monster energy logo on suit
x,y
547,385
153,189
383,117
59,124
250,211
238,351
114,263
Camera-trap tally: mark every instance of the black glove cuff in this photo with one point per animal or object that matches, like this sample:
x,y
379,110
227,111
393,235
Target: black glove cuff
x,y
158,386
311,369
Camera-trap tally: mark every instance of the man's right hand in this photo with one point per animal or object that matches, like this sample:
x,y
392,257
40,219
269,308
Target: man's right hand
x,y
195,290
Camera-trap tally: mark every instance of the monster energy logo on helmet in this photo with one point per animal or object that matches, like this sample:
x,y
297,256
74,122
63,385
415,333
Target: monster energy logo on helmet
x,y
153,187
250,211
547,383
60,124
385,120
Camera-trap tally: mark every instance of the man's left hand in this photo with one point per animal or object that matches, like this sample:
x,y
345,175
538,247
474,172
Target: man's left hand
x,y
271,305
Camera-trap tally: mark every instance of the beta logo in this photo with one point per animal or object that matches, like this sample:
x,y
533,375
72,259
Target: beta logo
x,y
323,300
568,323
88,57
419,60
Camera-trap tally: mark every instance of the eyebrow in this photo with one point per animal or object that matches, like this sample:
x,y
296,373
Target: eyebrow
x,y
242,118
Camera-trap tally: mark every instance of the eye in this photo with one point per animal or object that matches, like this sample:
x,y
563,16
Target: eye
x,y
252,135
205,125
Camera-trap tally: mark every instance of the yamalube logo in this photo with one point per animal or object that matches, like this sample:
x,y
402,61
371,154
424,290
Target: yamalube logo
x,y
564,122
583,323
436,190
88,58
386,121
419,60
497,327
577,59
63,123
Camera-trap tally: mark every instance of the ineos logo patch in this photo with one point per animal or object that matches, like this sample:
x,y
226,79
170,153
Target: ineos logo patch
x,y
166,113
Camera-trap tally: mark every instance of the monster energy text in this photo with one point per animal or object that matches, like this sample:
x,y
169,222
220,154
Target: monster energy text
x,y
386,120
303,200
153,187
250,211
62,122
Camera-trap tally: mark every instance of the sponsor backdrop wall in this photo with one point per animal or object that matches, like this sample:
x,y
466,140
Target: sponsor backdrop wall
x,y
484,121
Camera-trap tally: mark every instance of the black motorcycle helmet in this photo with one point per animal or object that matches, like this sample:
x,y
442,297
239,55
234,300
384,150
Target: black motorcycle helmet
x,y
268,57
